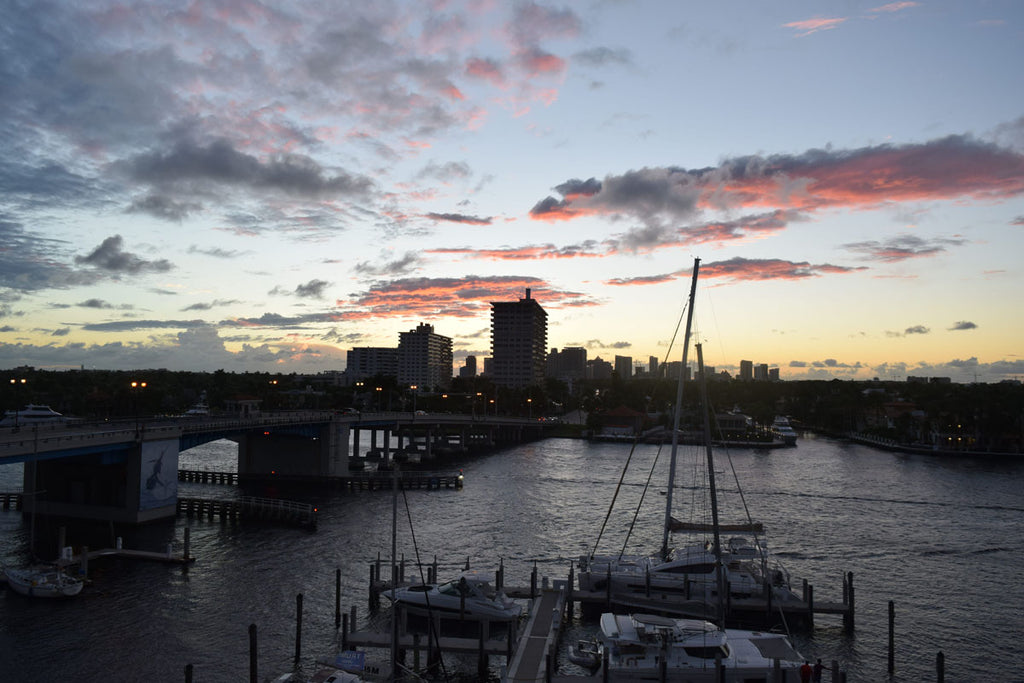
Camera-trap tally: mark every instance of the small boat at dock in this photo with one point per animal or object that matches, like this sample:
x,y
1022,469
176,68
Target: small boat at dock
x,y
43,582
469,597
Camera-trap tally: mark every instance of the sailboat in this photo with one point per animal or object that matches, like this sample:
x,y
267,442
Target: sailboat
x,y
645,647
686,580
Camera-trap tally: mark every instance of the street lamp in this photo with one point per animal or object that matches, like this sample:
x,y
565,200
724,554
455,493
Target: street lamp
x,y
413,388
17,407
529,406
137,387
378,390
495,403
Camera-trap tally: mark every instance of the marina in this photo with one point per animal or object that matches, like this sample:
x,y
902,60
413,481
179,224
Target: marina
x,y
852,509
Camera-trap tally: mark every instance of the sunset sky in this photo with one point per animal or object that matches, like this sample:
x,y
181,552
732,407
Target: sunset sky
x,y
261,186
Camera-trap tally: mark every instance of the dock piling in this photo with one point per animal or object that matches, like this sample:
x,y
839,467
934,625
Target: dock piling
x,y
892,636
337,597
298,628
253,673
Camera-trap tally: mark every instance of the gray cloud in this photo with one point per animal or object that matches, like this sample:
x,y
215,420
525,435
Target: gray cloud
x,y
964,325
110,256
220,162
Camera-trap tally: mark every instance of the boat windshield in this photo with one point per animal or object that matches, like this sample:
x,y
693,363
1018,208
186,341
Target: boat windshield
x,y
707,651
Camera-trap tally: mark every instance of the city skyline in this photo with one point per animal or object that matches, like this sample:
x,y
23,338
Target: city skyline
x,y
257,186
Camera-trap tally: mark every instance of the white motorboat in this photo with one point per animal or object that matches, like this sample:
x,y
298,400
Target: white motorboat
x,y
44,582
692,650
32,414
469,597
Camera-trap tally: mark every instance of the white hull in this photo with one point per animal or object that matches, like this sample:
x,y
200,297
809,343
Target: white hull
x,y
467,598
45,583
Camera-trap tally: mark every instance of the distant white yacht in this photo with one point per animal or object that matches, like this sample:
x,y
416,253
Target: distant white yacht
x,y
783,430
32,414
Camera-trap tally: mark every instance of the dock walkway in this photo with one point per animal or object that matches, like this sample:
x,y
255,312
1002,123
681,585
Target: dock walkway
x,y
536,647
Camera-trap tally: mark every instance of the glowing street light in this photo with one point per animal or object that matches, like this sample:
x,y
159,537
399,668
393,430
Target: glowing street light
x,y
136,388
17,408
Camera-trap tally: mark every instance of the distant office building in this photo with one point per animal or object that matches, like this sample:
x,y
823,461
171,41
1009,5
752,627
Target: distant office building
x,y
746,370
488,367
761,372
519,342
568,364
624,366
366,361
599,369
469,369
773,375
652,366
424,358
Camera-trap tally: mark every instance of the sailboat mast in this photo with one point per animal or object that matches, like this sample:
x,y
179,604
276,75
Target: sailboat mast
x,y
719,569
677,411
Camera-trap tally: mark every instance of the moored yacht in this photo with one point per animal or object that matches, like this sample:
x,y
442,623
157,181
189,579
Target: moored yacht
x,y
781,429
646,647
468,597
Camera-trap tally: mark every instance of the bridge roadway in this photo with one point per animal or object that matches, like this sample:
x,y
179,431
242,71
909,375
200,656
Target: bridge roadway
x,y
43,442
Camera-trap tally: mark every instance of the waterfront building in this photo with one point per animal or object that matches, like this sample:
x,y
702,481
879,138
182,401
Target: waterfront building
x,y
367,361
519,337
424,358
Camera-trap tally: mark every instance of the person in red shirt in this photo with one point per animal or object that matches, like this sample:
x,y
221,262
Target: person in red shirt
x,y
805,673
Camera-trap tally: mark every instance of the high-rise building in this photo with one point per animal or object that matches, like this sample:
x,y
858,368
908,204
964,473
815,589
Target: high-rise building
x,y
624,366
761,372
366,361
746,370
424,358
652,366
519,342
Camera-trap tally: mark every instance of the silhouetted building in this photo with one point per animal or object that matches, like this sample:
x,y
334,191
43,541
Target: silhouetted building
x,y
746,370
568,364
599,369
424,358
367,361
469,369
519,342
624,366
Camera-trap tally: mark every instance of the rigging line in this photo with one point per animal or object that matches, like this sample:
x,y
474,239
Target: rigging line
x,y
611,505
426,595
643,494
672,342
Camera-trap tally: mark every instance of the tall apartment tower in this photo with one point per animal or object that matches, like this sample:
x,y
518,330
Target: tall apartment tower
x,y
424,358
469,369
519,340
652,366
624,366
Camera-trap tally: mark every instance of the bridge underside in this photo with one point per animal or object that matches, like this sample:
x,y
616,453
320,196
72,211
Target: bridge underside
x,y
132,485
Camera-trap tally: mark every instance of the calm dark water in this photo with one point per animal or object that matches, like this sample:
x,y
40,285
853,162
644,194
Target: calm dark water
x,y
940,537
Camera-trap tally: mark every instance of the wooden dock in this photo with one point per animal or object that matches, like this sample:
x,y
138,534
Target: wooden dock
x,y
370,481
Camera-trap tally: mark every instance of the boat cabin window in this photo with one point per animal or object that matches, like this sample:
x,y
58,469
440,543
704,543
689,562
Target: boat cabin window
x,y
707,652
